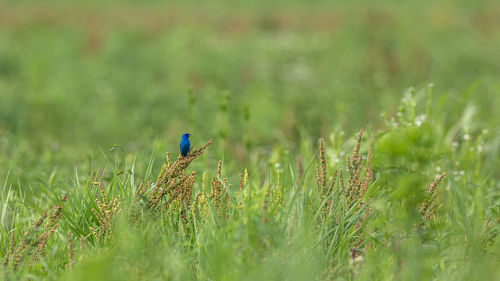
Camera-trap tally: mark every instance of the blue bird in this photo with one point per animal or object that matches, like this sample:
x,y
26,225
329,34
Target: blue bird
x,y
185,145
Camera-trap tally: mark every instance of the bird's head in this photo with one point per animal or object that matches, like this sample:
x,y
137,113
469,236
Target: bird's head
x,y
185,136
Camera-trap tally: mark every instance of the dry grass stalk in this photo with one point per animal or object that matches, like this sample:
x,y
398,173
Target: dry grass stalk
x,y
264,205
239,204
245,178
167,158
332,182
240,192
227,204
215,195
32,244
186,196
490,231
188,190
142,188
199,207
352,193
50,227
10,251
216,189
138,191
218,195
105,212
219,169
368,174
82,243
355,188
321,172
173,185
341,182
426,209
71,253
172,180
173,189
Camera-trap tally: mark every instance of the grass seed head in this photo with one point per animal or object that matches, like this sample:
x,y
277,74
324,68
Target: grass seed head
x,y
321,172
245,178
71,253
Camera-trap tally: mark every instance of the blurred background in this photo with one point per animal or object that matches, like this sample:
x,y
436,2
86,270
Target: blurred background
x,y
79,78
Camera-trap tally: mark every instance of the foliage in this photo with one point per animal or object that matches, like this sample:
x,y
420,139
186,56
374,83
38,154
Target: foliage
x,y
283,189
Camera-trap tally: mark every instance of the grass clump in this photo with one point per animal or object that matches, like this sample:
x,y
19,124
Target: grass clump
x,y
382,211
30,247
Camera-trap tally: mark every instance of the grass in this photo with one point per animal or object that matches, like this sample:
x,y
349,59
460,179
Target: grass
x,y
311,161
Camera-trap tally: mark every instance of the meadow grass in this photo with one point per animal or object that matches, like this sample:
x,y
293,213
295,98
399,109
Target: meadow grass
x,y
311,161
401,205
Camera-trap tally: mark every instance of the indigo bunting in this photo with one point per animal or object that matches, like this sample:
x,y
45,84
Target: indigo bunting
x,y
185,145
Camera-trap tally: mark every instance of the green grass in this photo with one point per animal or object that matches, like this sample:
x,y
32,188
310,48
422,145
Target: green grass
x,y
99,93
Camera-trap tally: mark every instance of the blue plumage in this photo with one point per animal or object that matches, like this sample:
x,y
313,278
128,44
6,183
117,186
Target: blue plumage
x,y
185,145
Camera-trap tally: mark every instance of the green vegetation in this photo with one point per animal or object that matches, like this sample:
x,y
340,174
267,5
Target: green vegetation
x,y
313,159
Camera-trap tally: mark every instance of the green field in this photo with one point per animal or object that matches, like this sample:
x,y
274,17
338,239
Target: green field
x,y
354,140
